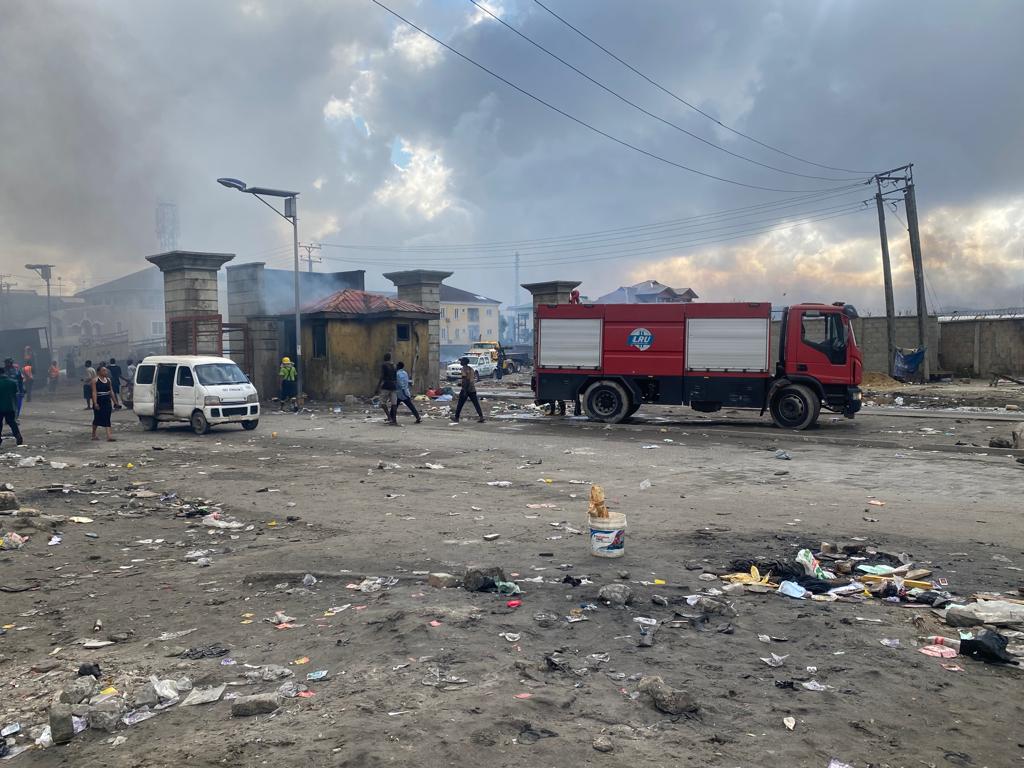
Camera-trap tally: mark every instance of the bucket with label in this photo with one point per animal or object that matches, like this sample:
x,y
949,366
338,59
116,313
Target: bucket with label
x,y
608,535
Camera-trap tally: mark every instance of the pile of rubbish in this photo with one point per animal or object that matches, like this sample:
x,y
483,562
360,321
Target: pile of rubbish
x,y
855,572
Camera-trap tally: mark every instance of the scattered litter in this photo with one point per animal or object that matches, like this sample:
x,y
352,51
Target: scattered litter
x,y
789,722
500,484
775,660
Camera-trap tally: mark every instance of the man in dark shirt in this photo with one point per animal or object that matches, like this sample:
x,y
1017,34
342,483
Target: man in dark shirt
x,y
9,406
115,379
388,389
468,391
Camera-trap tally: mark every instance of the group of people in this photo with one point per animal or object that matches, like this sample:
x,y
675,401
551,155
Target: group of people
x,y
16,384
395,388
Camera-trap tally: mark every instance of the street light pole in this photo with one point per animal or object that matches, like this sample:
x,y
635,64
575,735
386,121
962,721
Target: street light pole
x,y
46,272
291,213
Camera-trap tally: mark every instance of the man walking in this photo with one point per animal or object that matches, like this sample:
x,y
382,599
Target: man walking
x,y
129,386
114,371
12,372
405,391
287,373
28,377
9,405
87,378
468,392
52,378
388,389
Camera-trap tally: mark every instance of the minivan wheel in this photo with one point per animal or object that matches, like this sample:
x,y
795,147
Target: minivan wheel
x,y
250,424
148,423
199,423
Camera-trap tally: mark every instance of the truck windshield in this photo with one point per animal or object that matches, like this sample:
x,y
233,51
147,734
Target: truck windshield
x,y
211,374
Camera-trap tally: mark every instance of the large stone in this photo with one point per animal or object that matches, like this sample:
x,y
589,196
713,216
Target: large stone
x,y
8,500
443,580
260,704
146,696
62,727
1000,442
78,690
603,744
616,595
669,700
482,579
106,716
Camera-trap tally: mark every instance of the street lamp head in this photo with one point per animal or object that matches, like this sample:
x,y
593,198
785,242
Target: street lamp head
x,y
230,183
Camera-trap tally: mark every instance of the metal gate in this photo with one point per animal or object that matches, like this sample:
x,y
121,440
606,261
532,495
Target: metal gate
x,y
210,335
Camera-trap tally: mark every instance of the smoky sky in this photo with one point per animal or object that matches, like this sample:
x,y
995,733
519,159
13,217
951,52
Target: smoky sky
x,y
107,108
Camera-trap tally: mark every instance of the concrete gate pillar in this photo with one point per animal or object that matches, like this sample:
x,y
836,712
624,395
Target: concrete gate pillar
x,y
423,287
190,290
551,292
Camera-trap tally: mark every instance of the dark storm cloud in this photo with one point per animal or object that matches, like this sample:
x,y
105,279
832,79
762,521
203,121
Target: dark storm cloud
x,y
111,106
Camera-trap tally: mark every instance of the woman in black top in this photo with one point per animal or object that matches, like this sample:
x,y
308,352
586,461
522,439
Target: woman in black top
x,y
104,398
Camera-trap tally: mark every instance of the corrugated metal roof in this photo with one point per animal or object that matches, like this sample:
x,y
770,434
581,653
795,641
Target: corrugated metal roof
x,y
353,302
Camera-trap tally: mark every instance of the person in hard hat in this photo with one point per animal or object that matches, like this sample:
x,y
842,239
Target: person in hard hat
x,y
287,374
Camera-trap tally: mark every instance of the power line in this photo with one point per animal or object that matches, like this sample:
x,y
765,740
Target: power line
x,y
636,106
681,100
667,237
504,245
585,124
649,251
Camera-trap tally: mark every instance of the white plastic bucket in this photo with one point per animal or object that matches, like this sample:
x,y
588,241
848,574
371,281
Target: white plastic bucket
x,y
608,535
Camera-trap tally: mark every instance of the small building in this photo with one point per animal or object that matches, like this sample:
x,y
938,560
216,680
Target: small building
x,y
647,292
346,335
466,317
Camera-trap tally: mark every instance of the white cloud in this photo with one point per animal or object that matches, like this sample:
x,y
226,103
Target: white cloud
x,y
319,182
252,8
321,226
421,186
416,48
477,16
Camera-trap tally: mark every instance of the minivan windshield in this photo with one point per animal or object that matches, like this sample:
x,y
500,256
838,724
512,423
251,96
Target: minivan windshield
x,y
211,374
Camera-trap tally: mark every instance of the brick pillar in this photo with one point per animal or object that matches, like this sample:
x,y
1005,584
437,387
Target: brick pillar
x,y
190,289
551,292
423,287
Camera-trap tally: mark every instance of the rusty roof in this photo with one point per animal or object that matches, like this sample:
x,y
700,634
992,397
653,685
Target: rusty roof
x,y
361,304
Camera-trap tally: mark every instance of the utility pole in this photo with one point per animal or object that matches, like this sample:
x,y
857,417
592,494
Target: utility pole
x,y
46,272
5,294
910,201
890,311
308,258
515,311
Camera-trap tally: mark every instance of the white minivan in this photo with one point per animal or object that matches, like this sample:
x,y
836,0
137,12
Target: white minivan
x,y
200,390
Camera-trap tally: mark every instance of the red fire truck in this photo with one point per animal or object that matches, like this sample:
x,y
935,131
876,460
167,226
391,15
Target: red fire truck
x,y
616,357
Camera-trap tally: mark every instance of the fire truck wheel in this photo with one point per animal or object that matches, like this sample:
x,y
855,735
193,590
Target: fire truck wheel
x,y
607,401
795,407
632,409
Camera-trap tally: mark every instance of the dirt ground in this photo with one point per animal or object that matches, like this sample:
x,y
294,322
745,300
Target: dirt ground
x,y
432,677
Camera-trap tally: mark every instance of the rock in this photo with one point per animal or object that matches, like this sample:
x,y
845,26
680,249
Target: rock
x,y
77,691
1018,436
603,744
443,580
62,727
146,696
667,699
106,716
260,704
119,637
81,710
46,665
1020,459
1012,407
482,579
623,574
174,651
616,595
89,669
1000,442
8,500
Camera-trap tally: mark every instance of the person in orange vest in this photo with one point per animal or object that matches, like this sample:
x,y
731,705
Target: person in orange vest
x,y
26,374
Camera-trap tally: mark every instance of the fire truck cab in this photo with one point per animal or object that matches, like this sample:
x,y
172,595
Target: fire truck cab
x,y
616,357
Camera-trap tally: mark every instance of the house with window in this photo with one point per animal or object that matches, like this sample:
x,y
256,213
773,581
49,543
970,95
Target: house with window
x,y
120,318
647,292
345,337
465,318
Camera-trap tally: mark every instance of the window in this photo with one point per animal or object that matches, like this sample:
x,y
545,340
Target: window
x,y
458,333
119,326
825,333
185,376
402,332
320,341
444,335
455,313
216,373
473,314
490,311
474,332
144,374
158,329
